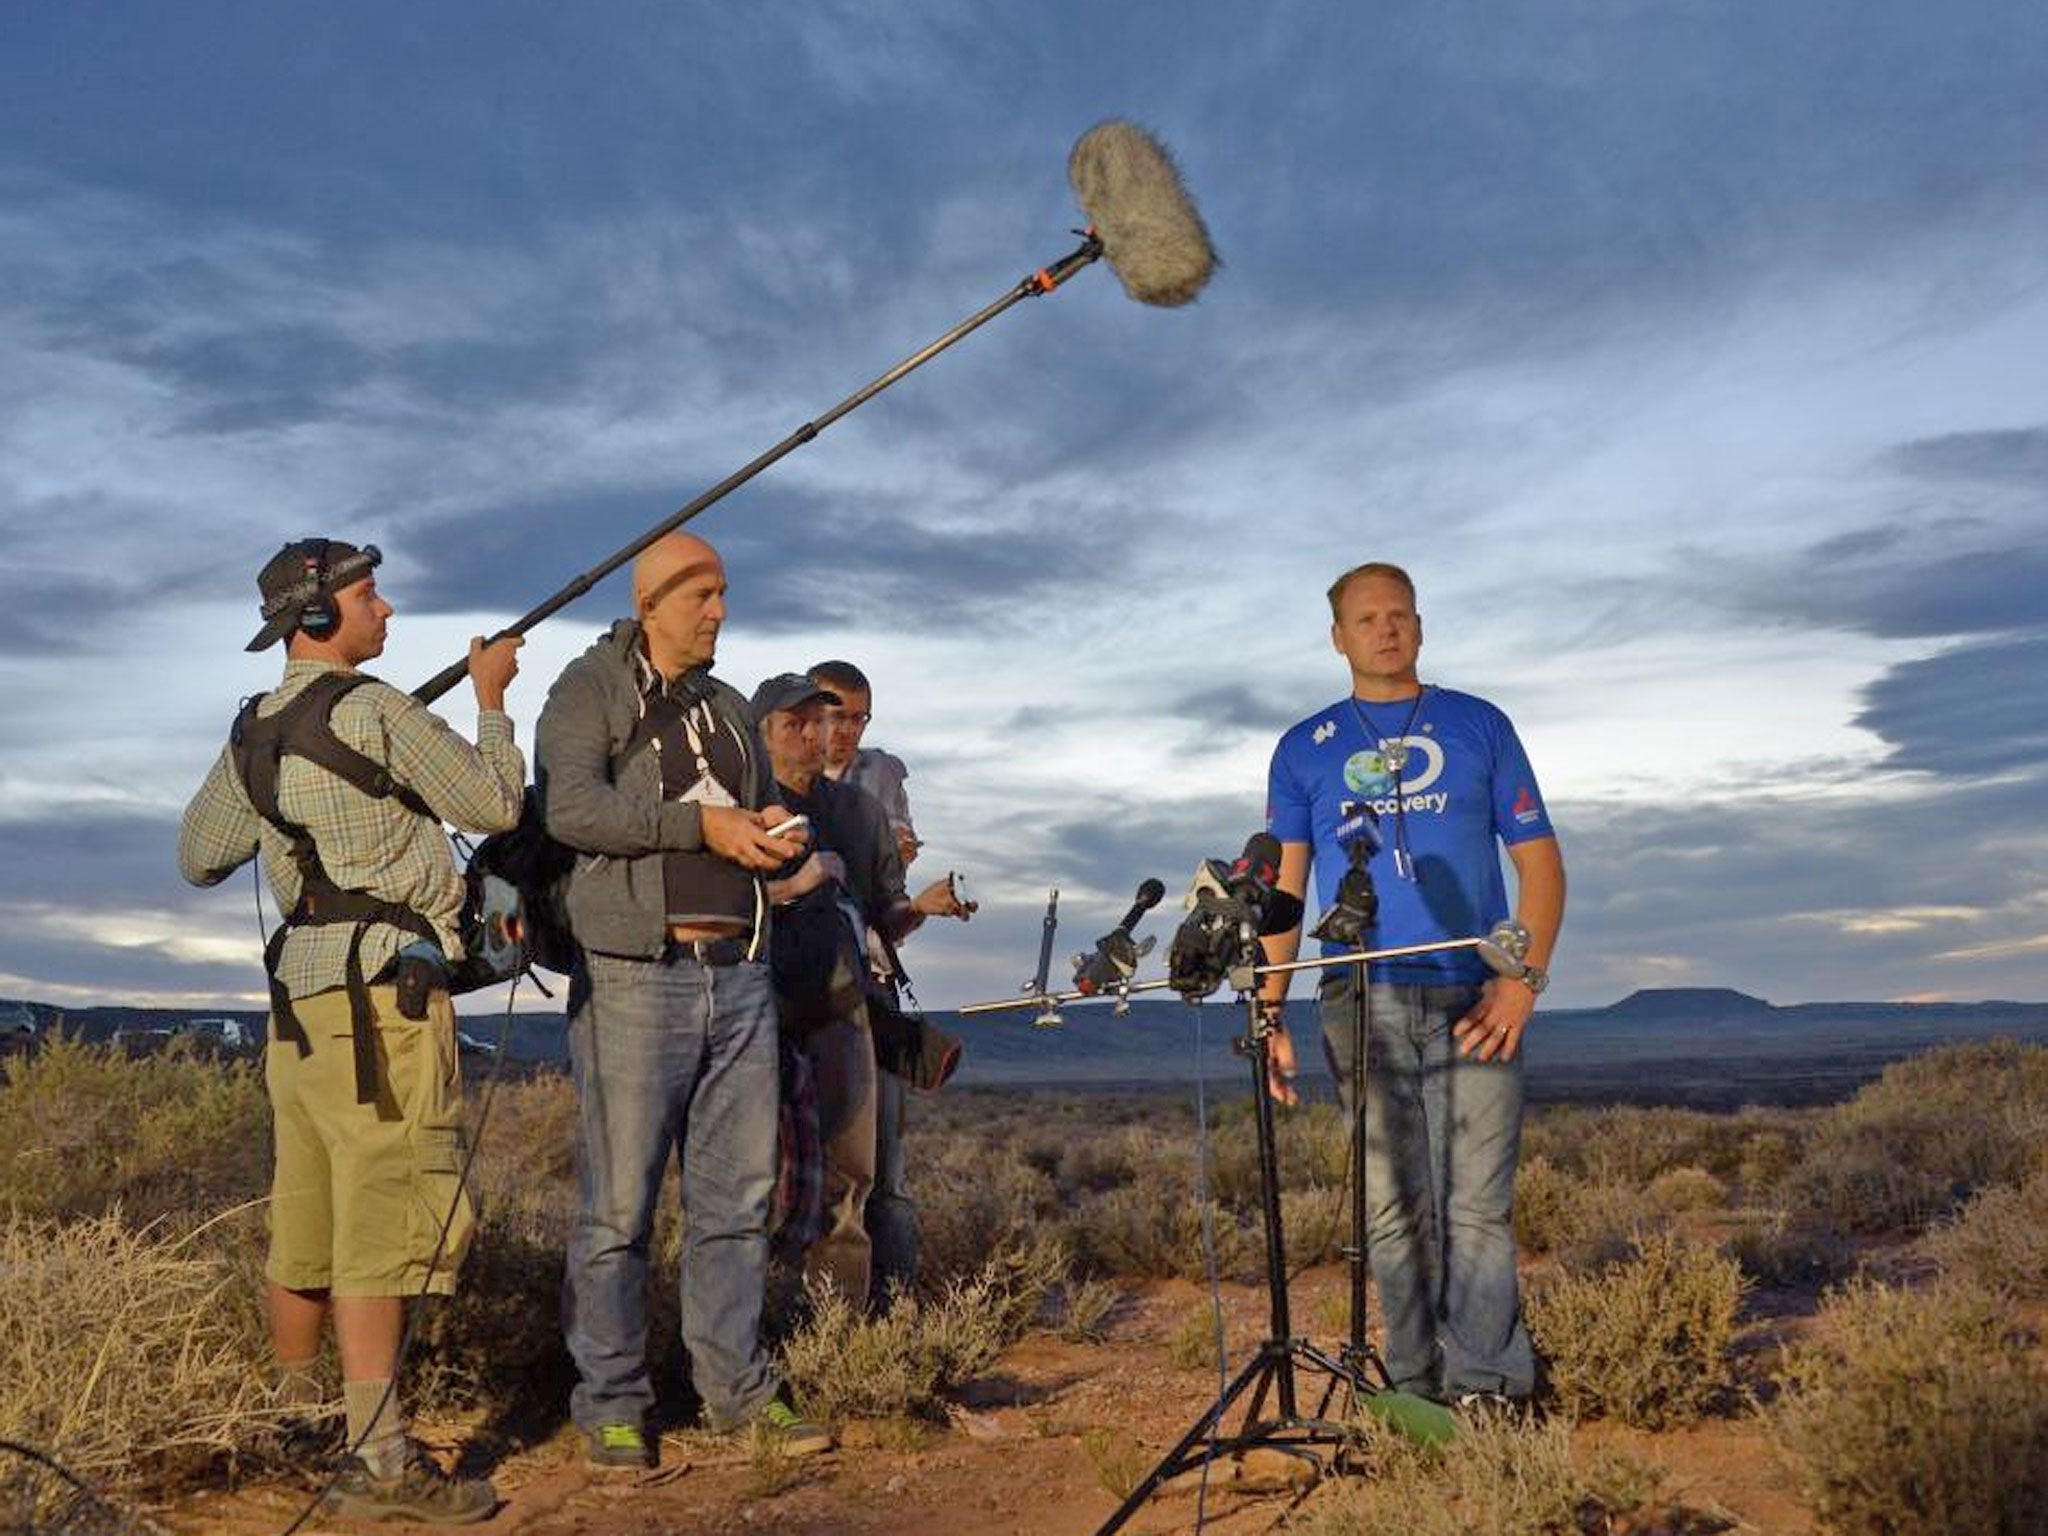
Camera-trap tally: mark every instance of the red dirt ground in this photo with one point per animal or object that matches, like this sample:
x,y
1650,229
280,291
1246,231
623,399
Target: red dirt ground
x,y
1013,1461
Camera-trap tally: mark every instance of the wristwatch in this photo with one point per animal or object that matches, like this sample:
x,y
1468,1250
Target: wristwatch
x,y
1535,978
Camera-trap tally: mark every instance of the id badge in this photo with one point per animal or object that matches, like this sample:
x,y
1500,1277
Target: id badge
x,y
707,791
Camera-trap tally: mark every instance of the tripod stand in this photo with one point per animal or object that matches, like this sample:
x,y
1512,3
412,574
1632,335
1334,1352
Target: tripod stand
x,y
1272,1370
1349,1379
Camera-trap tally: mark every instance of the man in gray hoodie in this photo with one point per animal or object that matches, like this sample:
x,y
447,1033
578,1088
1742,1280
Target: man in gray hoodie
x,y
651,769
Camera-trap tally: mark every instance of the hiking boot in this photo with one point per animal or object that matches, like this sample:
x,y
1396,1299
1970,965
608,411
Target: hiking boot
x,y
421,1491
791,1431
619,1447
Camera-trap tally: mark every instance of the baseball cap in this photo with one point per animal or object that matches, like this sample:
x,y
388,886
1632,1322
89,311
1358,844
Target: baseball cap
x,y
301,571
786,690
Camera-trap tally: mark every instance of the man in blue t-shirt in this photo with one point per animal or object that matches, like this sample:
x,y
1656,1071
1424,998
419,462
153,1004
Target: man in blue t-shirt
x,y
1442,779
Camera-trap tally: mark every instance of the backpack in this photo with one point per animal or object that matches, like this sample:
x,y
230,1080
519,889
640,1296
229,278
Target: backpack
x,y
515,904
515,898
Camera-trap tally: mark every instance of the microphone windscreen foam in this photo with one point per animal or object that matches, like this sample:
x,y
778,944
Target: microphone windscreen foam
x,y
1150,232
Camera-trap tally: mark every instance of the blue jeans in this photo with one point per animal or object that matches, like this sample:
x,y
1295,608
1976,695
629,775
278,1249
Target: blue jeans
x,y
671,1053
892,1214
1442,1135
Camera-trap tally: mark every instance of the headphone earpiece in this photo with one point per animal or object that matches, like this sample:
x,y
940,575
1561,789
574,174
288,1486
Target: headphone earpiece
x,y
319,617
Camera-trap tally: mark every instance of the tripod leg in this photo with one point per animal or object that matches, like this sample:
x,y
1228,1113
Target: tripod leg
x,y
1176,1461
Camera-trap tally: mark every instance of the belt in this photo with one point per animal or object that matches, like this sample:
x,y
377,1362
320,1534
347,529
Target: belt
x,y
706,951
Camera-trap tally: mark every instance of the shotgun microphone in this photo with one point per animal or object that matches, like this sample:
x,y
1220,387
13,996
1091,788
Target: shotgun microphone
x,y
1137,207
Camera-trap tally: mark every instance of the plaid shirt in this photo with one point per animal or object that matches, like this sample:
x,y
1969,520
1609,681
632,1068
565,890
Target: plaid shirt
x,y
364,843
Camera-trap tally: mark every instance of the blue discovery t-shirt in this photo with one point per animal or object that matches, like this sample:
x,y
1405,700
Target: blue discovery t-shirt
x,y
1446,776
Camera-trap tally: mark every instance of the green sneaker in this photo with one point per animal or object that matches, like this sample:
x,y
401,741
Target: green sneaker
x,y
615,1447
796,1435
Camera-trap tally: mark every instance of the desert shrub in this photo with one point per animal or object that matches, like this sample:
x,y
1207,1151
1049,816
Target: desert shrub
x,y
1914,1144
1119,1462
1999,1240
1629,1146
84,1129
975,1194
130,1357
526,1148
1502,1476
1086,1310
1198,1340
1687,1189
1915,1412
1316,1222
1778,1249
1581,1220
1091,1164
1768,1155
496,1341
1156,1230
1312,1150
1645,1340
846,1365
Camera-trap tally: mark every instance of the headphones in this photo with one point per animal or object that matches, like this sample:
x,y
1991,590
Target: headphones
x,y
318,615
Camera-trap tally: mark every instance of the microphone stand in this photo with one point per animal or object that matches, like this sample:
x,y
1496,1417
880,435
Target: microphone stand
x,y
1357,1373
1043,281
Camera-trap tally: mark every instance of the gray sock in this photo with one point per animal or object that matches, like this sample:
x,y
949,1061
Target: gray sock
x,y
377,1432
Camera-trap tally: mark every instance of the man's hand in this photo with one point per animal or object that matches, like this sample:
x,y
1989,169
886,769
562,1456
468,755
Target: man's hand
x,y
939,900
1280,1065
907,845
821,868
492,668
1492,1031
741,836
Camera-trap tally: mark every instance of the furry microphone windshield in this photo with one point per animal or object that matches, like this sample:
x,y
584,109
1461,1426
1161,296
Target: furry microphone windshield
x,y
1147,223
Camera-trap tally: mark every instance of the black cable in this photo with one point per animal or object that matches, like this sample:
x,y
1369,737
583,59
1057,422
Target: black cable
x,y
1204,1205
98,1502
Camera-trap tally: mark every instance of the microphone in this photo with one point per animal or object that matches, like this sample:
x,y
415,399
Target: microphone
x,y
1253,880
1356,906
1505,949
1230,907
1116,956
1136,206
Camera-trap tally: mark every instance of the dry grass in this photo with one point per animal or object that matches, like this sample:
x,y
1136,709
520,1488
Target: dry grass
x,y
84,1129
1999,1240
1500,1477
133,1358
1582,1220
1118,1461
1774,1248
845,1365
1645,1340
1916,1412
1913,1145
1199,1341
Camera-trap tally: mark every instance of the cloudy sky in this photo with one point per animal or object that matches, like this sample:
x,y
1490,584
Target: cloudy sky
x,y
1689,354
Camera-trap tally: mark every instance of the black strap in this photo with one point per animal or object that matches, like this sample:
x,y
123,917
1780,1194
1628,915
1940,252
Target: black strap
x,y
304,727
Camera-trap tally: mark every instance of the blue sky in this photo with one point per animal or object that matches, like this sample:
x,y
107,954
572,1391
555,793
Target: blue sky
x,y
1688,354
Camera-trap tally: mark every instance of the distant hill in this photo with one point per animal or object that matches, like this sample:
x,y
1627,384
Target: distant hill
x,y
1668,1005
1702,1046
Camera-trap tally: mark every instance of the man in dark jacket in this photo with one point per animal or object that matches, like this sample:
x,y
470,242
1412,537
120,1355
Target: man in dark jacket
x,y
851,883
651,769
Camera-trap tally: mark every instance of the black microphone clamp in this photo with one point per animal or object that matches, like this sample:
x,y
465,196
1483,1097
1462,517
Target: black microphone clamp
x,y
1114,960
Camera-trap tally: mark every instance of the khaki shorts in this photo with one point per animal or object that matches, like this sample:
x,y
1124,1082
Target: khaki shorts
x,y
361,1190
